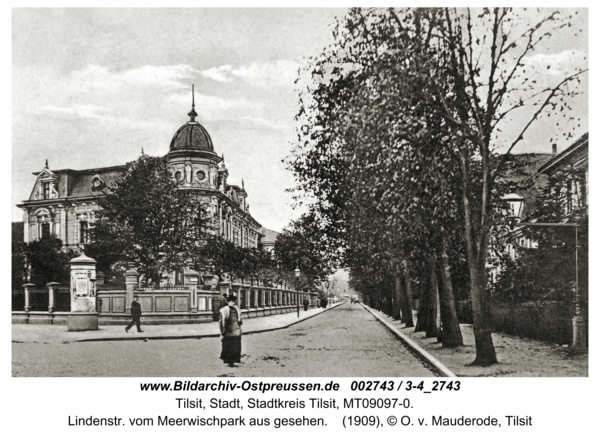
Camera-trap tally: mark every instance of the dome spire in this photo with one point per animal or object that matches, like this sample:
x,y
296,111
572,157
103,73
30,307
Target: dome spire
x,y
46,164
192,114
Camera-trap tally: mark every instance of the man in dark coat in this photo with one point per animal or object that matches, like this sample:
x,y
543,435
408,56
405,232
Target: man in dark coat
x,y
305,303
136,313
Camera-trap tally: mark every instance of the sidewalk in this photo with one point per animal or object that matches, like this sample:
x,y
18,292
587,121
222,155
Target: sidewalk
x,y
59,334
516,356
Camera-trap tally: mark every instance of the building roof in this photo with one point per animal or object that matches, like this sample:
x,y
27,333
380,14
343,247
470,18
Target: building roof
x,y
82,184
566,155
525,165
191,136
269,236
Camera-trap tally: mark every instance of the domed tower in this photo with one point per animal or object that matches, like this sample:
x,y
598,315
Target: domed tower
x,y
192,156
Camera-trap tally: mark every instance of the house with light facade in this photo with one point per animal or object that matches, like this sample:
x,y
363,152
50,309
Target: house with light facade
x,y
63,202
571,168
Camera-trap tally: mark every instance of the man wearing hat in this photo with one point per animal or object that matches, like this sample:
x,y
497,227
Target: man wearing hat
x,y
136,313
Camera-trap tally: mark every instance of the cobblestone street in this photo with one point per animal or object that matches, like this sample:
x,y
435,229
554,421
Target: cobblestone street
x,y
344,342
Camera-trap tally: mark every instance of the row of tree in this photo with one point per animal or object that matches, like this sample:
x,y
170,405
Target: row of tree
x,y
400,123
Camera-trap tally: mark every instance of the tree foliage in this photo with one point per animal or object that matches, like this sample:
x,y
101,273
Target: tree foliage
x,y
246,263
150,219
401,126
41,261
297,247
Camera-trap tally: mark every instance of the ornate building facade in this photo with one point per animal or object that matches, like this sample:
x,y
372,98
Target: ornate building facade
x,y
63,202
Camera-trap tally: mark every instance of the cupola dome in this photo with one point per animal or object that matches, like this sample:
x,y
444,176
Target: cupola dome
x,y
192,135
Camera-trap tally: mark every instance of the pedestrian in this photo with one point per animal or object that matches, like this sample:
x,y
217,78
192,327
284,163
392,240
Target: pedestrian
x,y
136,314
305,303
230,322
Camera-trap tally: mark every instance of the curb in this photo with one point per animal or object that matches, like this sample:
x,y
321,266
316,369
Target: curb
x,y
414,346
198,336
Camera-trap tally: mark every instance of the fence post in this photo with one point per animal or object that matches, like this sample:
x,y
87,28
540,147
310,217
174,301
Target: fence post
x,y
27,287
51,287
191,279
131,282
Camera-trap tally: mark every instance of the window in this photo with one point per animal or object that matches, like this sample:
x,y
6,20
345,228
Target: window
x,y
46,186
97,183
243,299
45,230
83,232
569,196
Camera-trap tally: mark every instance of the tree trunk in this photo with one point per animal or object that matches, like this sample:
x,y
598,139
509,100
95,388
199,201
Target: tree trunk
x,y
484,346
397,299
477,251
452,336
432,326
424,298
439,321
399,295
408,297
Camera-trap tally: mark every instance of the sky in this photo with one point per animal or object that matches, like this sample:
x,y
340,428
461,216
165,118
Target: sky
x,y
92,87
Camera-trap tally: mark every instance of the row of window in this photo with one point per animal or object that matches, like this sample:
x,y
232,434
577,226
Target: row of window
x,y
232,233
83,235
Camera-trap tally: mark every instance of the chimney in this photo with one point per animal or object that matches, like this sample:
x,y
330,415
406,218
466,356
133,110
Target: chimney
x,y
554,149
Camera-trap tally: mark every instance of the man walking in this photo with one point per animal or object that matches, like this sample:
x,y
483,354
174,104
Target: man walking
x,y
136,313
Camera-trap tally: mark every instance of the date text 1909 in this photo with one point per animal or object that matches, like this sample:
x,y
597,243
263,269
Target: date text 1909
x,y
425,387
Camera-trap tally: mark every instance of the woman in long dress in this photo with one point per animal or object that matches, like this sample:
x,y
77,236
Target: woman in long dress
x,y
230,321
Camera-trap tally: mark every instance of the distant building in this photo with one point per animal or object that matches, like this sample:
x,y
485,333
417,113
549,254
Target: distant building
x,y
268,240
63,202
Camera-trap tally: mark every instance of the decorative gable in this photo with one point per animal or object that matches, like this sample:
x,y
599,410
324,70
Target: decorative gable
x,y
47,184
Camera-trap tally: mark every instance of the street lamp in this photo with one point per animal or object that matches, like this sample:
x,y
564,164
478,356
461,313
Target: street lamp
x,y
514,206
297,274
